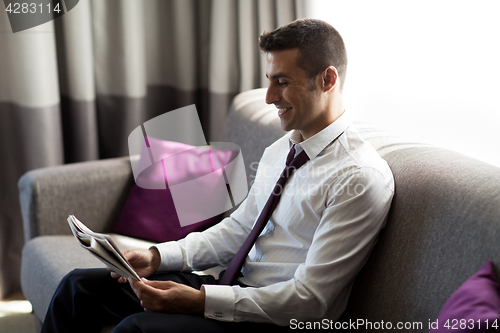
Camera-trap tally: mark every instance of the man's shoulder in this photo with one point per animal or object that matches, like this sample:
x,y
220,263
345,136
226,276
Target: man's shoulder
x,y
355,153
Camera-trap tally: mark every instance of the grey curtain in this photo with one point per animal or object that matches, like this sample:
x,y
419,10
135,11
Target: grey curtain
x,y
73,89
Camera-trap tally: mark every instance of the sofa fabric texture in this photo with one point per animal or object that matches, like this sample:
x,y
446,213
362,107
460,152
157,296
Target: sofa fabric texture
x,y
443,226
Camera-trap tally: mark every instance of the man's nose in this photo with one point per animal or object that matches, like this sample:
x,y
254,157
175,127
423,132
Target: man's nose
x,y
273,94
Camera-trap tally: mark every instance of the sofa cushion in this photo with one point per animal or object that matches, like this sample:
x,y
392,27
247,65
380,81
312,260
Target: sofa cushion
x,y
150,212
474,307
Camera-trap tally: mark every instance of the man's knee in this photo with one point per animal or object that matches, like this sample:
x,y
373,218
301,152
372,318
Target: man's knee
x,y
83,277
78,281
76,275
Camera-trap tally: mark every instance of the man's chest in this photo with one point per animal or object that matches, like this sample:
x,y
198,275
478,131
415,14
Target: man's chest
x,y
303,199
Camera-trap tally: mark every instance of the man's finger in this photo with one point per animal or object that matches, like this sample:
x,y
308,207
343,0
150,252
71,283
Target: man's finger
x,y
141,286
144,292
137,286
120,278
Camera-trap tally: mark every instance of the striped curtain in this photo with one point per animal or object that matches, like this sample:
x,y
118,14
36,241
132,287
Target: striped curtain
x,y
74,88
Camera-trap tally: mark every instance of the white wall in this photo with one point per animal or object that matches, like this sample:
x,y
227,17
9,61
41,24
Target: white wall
x,y
429,70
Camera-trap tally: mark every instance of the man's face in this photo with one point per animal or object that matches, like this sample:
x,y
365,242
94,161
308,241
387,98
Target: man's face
x,y
299,107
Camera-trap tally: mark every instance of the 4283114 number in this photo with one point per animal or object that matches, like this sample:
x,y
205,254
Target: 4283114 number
x,y
461,324
31,8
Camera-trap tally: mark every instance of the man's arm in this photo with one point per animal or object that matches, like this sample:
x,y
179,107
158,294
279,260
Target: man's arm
x,y
198,251
215,246
171,297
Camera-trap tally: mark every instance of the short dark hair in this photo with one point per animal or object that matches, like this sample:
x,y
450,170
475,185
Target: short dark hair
x,y
320,45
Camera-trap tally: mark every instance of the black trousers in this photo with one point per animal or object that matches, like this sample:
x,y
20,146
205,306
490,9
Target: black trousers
x,y
89,299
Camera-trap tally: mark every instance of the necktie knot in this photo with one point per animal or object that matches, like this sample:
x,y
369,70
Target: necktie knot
x,y
294,162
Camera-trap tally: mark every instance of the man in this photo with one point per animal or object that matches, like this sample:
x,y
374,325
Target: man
x,y
302,265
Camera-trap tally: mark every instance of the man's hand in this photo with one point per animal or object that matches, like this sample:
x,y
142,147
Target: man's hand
x,y
145,262
168,296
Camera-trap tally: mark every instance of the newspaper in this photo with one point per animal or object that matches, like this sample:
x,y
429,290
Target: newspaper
x,y
103,248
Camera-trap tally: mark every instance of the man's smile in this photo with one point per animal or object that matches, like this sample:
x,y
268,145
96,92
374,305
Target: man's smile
x,y
282,111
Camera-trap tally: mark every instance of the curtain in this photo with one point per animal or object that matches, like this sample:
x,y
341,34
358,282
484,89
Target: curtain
x,y
73,89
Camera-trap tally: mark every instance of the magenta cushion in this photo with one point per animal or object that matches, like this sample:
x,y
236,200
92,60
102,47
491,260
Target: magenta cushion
x,y
474,307
149,212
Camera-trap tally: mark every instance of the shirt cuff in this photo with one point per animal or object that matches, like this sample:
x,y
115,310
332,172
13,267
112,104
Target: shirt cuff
x,y
219,302
171,256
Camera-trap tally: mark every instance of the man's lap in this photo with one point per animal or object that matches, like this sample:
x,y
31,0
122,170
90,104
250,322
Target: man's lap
x,y
118,298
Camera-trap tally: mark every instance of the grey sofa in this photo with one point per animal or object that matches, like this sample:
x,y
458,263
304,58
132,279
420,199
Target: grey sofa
x,y
444,223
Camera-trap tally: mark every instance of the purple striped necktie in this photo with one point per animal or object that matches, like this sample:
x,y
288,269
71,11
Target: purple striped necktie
x,y
234,268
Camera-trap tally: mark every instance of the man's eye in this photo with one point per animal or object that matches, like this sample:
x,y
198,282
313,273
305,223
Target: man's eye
x,y
282,83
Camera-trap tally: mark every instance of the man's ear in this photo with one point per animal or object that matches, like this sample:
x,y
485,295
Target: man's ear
x,y
330,78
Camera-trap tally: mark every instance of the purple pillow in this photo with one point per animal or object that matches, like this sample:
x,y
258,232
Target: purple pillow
x,y
149,212
474,307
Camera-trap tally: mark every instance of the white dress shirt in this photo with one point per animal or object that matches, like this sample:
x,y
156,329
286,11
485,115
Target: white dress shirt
x,y
304,262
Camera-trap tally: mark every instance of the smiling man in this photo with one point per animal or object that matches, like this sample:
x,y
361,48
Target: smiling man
x,y
308,247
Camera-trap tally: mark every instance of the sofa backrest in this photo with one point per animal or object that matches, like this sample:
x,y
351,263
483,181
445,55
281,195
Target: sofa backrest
x,y
444,222
443,226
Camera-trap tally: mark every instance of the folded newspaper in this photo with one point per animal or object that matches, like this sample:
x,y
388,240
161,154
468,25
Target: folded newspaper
x,y
102,247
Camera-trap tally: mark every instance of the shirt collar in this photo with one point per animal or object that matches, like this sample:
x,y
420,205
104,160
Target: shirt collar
x,y
318,142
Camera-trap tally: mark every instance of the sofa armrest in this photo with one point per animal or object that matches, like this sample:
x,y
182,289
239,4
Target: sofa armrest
x,y
93,191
